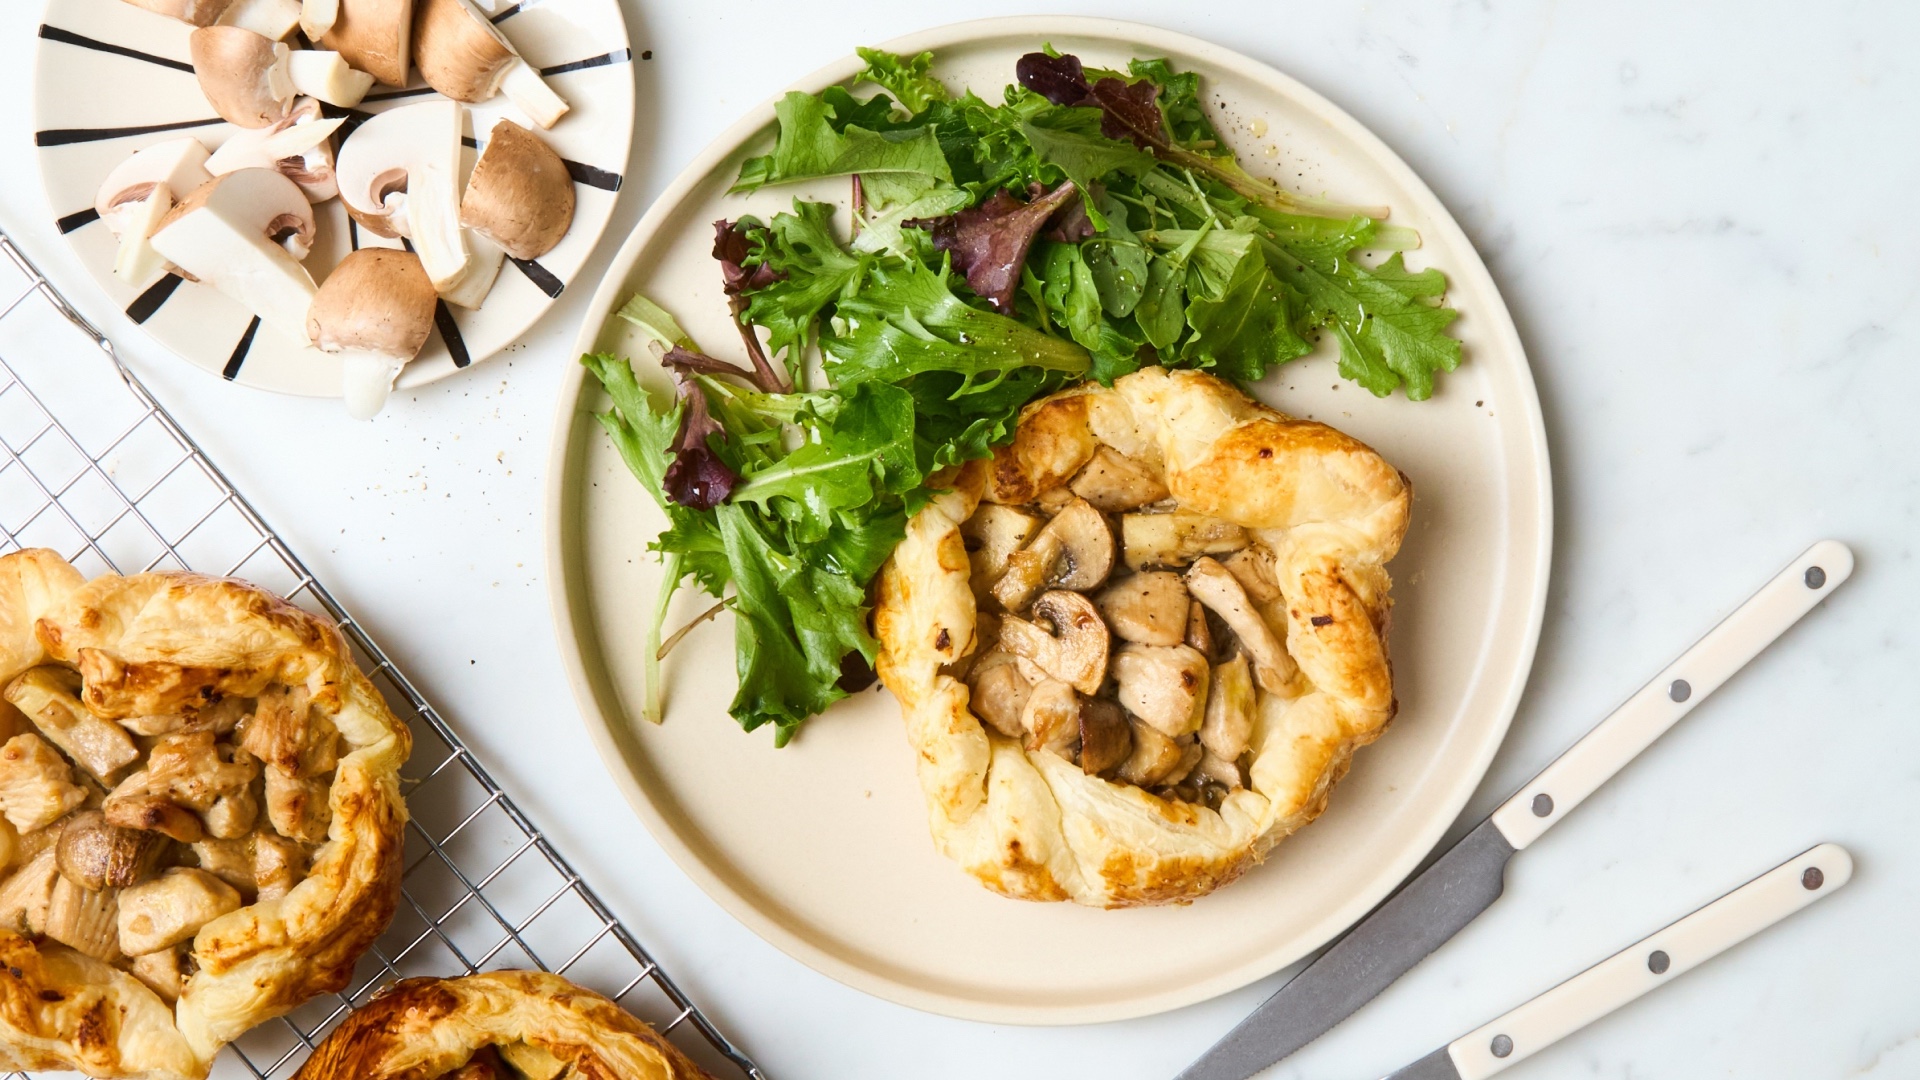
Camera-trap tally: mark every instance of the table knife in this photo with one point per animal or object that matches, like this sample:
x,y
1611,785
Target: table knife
x,y
1435,904
1624,976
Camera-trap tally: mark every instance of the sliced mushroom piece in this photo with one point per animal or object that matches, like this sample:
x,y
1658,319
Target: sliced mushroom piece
x,y
96,854
36,784
1214,586
244,234
325,74
154,813
1253,568
1200,633
1177,538
1052,718
399,176
520,195
1153,755
1072,551
84,920
48,696
375,36
1149,608
299,148
1164,685
137,194
195,12
1113,482
991,536
463,55
273,19
1191,753
243,74
1000,692
164,972
376,312
171,909
317,17
1228,725
1218,770
1105,737
1074,651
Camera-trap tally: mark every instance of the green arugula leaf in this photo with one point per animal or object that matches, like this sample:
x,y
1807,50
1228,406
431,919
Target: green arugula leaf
x,y
808,146
817,270
866,451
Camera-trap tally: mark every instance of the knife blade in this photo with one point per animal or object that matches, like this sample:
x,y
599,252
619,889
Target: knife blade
x,y
1436,903
1646,965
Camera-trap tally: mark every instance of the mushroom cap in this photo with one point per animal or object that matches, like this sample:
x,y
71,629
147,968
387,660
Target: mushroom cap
x,y
378,300
178,163
459,53
262,196
96,855
1075,652
520,195
1106,740
243,74
375,36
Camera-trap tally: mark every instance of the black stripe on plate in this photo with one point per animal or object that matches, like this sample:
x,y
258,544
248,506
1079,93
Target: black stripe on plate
x,y
593,175
353,117
620,56
353,233
239,357
541,277
148,302
511,11
392,95
68,37
470,141
77,220
450,332
69,136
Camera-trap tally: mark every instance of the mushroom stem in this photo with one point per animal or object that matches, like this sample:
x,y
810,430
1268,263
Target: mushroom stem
x,y
317,17
326,75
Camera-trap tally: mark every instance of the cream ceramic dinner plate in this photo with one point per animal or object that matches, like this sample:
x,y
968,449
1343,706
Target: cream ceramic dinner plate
x,y
822,847
112,78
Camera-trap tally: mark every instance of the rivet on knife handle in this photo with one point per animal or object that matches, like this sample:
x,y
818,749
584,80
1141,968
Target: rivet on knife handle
x,y
1673,693
1657,960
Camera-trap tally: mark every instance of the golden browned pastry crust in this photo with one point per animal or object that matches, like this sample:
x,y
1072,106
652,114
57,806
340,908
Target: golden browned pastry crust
x,y
422,1029
169,647
1032,824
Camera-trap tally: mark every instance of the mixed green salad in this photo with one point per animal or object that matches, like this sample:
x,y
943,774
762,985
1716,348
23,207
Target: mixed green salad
x,y
1089,223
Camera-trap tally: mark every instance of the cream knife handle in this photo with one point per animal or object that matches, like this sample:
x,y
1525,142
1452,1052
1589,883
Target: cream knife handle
x,y
1673,693
1625,976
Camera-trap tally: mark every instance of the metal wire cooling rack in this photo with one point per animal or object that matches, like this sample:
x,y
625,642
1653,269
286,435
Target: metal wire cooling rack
x,y
92,467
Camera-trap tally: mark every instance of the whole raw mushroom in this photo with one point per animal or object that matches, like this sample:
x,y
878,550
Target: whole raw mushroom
x,y
375,311
520,195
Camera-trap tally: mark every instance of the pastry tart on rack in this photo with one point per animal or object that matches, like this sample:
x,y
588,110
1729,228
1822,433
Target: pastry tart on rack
x,y
503,1025
1138,647
200,816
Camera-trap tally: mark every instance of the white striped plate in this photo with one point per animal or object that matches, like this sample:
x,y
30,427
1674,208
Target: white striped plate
x,y
112,78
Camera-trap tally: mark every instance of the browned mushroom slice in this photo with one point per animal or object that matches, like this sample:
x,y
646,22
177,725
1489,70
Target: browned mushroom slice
x,y
1253,568
1105,737
1149,608
84,920
1199,631
1219,770
1214,586
139,809
1052,718
991,536
1230,704
1072,647
1190,754
1073,551
171,908
1114,482
49,697
1176,539
36,784
1000,692
1153,755
96,854
1164,685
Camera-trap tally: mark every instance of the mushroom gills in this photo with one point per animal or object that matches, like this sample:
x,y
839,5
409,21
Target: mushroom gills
x,y
1164,685
1075,651
1228,725
84,920
96,855
1216,587
137,195
1176,538
223,234
1072,551
326,75
460,53
1113,482
991,536
1149,608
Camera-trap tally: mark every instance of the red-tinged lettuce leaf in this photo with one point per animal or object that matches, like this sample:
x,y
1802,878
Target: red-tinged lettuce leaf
x,y
989,242
733,243
697,477
1059,79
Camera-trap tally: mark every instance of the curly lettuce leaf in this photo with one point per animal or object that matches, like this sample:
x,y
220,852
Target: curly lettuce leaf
x,y
810,145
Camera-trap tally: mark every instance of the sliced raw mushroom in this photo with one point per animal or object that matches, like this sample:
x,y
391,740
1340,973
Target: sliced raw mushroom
x,y
1216,587
1177,538
273,19
375,311
1228,725
137,194
96,854
243,74
1105,737
463,55
84,920
1000,692
299,148
375,36
991,536
36,784
1073,651
47,695
1051,718
1149,608
399,176
1113,482
244,234
520,195
1153,755
196,12
1164,685
317,17
168,910
1073,551
325,74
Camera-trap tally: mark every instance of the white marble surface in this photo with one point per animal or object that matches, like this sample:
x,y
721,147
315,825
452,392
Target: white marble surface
x,y
1701,219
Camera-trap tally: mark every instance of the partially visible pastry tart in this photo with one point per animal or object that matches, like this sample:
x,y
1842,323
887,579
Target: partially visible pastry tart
x,y
200,816
1138,647
503,1025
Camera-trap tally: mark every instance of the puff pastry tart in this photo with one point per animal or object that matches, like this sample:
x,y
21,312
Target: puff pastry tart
x,y
200,816
504,1025
1138,647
